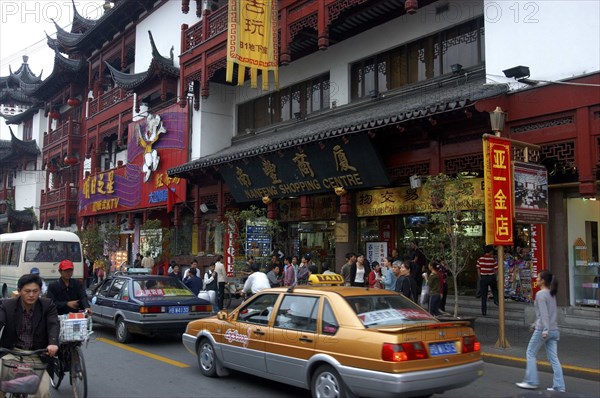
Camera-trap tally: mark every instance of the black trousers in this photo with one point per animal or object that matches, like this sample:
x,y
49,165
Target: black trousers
x,y
221,295
488,280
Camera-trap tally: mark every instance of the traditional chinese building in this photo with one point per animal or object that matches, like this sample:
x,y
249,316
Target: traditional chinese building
x,y
20,158
372,93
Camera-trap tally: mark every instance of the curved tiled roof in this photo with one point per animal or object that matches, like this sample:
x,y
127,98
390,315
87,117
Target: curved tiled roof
x,y
15,148
15,96
80,23
159,63
65,71
24,73
20,117
420,103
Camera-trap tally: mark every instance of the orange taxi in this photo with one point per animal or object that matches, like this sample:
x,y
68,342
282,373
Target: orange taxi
x,y
338,342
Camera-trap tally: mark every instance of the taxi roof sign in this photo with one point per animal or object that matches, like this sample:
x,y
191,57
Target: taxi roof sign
x,y
325,279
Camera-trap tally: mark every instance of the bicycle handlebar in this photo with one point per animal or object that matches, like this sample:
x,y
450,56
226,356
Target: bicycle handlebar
x,y
23,353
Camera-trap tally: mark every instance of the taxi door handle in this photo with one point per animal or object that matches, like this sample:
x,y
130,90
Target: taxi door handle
x,y
305,340
259,332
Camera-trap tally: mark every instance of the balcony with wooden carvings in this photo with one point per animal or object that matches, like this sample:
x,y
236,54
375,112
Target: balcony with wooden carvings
x,y
305,27
111,103
59,204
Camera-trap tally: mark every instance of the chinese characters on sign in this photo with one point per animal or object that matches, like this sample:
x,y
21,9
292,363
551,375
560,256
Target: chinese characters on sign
x,y
538,253
307,170
252,38
498,191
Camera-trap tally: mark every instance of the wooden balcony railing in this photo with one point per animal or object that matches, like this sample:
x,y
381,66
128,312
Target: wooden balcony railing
x,y
204,30
106,100
61,133
60,195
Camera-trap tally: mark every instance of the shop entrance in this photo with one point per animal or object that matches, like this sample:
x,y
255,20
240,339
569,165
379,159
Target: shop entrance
x,y
316,238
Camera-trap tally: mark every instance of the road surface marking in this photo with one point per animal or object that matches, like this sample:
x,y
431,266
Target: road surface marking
x,y
144,353
545,363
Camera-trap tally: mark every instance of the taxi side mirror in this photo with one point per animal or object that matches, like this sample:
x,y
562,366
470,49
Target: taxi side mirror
x,y
222,315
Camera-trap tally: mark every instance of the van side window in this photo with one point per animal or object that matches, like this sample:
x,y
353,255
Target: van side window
x,y
9,254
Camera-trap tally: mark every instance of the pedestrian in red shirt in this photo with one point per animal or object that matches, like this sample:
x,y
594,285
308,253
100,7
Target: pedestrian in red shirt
x,y
487,267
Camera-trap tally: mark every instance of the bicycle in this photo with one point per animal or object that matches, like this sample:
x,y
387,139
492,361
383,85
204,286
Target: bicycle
x,y
69,357
21,376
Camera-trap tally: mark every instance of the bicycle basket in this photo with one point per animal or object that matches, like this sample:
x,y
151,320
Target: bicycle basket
x,y
21,375
74,329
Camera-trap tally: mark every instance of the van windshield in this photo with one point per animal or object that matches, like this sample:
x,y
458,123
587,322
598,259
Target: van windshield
x,y
52,251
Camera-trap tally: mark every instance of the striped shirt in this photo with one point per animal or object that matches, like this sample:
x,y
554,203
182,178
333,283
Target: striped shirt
x,y
487,265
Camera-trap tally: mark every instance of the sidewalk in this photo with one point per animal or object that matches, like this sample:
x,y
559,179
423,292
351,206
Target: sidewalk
x,y
579,356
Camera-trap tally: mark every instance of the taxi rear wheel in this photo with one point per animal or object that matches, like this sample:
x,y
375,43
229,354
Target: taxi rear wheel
x,y
207,359
327,383
123,334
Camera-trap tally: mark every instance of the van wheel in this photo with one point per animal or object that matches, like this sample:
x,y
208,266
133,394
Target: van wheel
x,y
4,291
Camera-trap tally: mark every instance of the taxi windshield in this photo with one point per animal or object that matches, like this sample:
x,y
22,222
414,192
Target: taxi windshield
x,y
160,288
387,310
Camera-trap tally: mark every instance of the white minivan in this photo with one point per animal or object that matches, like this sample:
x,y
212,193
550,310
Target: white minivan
x,y
44,249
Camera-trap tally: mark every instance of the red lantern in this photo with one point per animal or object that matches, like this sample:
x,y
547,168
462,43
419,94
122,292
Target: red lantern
x,y
73,102
411,6
54,115
71,160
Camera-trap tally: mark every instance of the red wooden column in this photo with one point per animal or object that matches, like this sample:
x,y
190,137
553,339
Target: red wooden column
x,y
323,26
583,149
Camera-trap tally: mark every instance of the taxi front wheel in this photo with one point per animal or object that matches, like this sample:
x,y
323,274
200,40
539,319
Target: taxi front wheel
x,y
207,359
327,383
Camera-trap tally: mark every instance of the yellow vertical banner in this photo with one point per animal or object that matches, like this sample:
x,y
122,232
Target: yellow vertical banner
x,y
489,200
252,40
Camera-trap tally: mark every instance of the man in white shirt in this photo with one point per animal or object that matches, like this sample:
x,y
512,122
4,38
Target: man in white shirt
x,y
222,279
256,281
194,264
148,262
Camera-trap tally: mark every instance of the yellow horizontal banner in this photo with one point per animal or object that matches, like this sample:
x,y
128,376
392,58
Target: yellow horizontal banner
x,y
406,200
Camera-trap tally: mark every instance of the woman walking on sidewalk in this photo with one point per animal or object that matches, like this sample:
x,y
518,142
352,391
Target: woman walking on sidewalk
x,y
545,332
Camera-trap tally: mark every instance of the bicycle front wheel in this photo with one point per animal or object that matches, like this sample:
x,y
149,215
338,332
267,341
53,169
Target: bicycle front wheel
x,y
78,374
56,372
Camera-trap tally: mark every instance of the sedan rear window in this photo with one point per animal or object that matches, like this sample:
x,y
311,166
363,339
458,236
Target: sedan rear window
x,y
387,310
167,287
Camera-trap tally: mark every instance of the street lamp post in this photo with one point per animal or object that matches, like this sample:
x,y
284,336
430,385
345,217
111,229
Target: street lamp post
x,y
497,120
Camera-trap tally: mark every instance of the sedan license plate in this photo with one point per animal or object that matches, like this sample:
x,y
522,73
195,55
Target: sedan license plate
x,y
437,349
180,309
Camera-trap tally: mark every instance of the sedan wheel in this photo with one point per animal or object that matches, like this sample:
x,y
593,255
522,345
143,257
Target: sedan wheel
x,y
327,383
123,335
207,359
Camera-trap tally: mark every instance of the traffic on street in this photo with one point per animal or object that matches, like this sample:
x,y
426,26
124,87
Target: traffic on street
x,y
162,367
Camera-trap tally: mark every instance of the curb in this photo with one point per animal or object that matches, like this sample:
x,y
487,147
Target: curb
x,y
544,366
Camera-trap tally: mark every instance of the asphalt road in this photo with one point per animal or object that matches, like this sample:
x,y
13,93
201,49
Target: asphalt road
x,y
161,367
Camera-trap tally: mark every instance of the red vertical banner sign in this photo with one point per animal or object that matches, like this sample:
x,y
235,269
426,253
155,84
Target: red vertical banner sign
x,y
538,254
498,180
230,247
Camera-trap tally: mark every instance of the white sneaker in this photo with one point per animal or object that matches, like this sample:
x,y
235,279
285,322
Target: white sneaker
x,y
554,389
526,385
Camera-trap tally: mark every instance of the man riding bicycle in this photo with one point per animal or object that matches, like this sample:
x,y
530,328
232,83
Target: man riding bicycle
x,y
68,294
30,322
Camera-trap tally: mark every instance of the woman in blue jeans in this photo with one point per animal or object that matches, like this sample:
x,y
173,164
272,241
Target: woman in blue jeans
x,y
545,333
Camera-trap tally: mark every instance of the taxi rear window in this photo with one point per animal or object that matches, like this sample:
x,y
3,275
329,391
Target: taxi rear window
x,y
374,311
158,288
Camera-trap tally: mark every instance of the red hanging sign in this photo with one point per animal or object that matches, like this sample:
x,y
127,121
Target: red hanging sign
x,y
498,191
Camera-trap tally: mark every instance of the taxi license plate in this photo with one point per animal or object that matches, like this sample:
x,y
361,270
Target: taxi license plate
x,y
181,309
436,349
